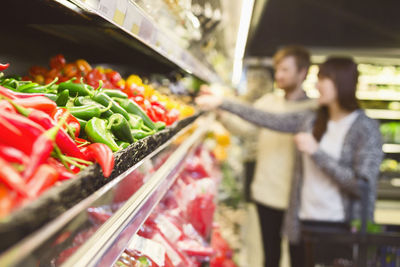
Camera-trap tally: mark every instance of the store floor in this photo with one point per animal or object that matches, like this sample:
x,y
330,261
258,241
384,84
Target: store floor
x,y
387,212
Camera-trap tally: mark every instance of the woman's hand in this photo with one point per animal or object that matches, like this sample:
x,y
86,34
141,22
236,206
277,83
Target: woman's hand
x,y
306,143
208,100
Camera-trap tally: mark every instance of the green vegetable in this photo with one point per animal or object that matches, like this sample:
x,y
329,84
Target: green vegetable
x,y
135,121
133,108
123,144
96,131
83,100
82,123
140,134
115,93
51,96
88,111
120,128
160,125
74,89
63,98
105,100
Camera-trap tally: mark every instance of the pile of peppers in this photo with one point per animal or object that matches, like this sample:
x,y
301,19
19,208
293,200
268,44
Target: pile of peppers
x,y
157,107
39,146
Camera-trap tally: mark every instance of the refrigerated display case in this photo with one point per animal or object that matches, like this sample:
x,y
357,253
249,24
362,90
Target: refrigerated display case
x,y
62,224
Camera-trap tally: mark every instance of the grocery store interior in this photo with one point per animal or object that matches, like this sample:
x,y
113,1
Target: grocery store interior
x,y
194,133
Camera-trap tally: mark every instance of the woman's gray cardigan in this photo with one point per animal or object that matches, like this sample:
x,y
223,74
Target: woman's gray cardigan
x,y
360,158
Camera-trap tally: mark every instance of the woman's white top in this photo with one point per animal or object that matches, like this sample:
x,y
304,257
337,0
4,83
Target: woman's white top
x,y
320,196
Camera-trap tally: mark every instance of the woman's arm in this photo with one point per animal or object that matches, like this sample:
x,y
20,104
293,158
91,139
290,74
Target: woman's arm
x,y
290,122
368,157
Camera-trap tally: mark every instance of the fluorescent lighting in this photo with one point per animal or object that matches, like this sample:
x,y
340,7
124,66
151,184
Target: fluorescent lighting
x,y
241,40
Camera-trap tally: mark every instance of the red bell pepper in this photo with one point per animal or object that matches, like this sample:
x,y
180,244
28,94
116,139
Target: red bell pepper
x,y
41,149
11,178
44,177
12,154
38,102
102,154
71,120
4,66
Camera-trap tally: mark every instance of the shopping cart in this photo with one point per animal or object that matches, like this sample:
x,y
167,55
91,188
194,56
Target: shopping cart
x,y
358,248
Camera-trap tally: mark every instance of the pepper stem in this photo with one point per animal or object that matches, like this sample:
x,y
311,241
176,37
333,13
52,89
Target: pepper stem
x,y
107,108
51,133
24,111
112,120
100,85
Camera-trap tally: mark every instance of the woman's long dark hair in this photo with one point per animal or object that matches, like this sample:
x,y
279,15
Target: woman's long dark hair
x,y
344,74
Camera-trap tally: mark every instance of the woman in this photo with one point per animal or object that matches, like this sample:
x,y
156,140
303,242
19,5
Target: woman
x,y
338,145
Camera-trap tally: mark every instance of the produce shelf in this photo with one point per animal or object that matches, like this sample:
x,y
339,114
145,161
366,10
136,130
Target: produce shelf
x,y
96,21
43,228
383,114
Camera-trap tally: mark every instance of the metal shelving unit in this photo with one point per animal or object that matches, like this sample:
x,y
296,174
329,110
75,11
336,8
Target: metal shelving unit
x,y
60,216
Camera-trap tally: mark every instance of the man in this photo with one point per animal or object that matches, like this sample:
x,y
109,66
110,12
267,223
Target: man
x,y
276,151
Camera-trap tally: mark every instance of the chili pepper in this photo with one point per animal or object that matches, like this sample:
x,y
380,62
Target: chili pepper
x,y
4,66
102,154
160,125
42,148
120,127
39,89
6,201
115,93
135,121
63,140
82,100
87,112
64,174
82,123
37,102
43,178
140,134
28,131
62,98
75,88
71,120
123,144
105,100
27,86
12,154
52,97
6,106
96,130
133,108
11,178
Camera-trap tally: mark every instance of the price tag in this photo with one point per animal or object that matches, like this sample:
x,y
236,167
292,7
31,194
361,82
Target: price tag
x,y
107,8
120,11
150,248
146,30
133,19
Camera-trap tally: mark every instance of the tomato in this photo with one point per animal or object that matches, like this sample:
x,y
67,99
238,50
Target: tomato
x,y
70,70
53,73
57,62
83,66
93,77
37,70
114,77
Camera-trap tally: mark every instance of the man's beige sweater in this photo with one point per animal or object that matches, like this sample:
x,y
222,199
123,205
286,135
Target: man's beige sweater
x,y
275,150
